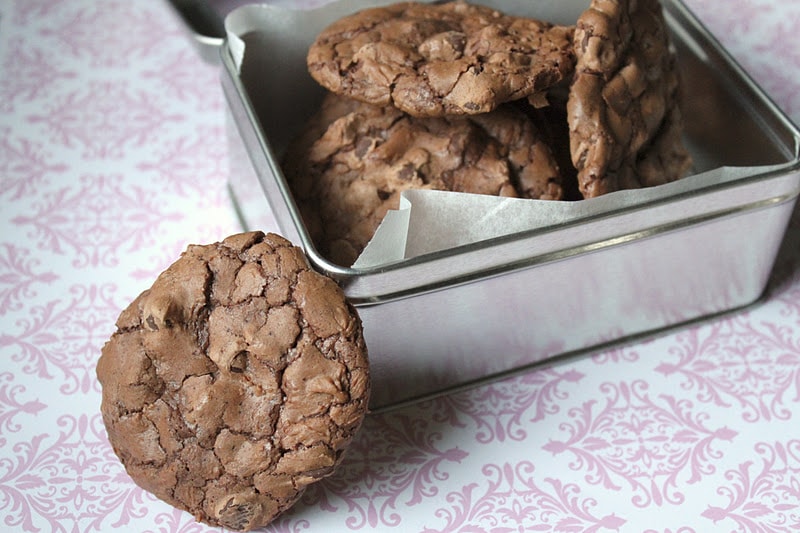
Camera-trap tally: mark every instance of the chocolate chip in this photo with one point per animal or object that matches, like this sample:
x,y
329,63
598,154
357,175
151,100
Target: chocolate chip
x,y
239,362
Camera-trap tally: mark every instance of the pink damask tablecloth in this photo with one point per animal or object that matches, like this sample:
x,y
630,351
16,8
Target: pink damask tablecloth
x,y
113,158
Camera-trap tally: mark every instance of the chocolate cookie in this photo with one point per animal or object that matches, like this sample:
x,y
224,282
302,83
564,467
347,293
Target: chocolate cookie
x,y
530,154
235,381
440,59
623,109
355,159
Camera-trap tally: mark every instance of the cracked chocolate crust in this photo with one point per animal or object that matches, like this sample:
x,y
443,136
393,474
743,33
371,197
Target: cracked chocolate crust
x,y
623,109
235,381
440,59
354,160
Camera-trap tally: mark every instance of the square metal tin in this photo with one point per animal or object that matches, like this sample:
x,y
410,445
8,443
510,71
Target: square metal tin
x,y
449,319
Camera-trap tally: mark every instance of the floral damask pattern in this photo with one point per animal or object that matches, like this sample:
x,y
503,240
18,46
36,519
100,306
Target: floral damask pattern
x,y
765,495
20,277
26,12
735,362
513,501
31,73
191,165
97,221
25,167
11,406
652,445
114,156
126,117
67,480
175,521
180,78
91,32
394,462
502,410
60,341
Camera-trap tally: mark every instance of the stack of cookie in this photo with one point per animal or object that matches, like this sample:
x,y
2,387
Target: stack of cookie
x,y
460,97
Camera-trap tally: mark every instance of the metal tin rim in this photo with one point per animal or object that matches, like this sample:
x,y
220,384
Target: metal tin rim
x,y
369,286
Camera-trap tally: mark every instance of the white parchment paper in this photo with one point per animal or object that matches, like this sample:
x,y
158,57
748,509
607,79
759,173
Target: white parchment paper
x,y
430,221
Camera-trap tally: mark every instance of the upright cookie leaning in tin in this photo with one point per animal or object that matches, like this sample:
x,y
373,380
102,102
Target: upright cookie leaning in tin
x,y
623,107
235,381
440,59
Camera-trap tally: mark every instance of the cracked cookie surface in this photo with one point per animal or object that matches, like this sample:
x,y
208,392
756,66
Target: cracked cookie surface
x,y
235,381
440,59
623,109
353,161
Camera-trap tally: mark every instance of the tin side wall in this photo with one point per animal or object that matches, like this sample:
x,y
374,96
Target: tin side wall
x,y
432,342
